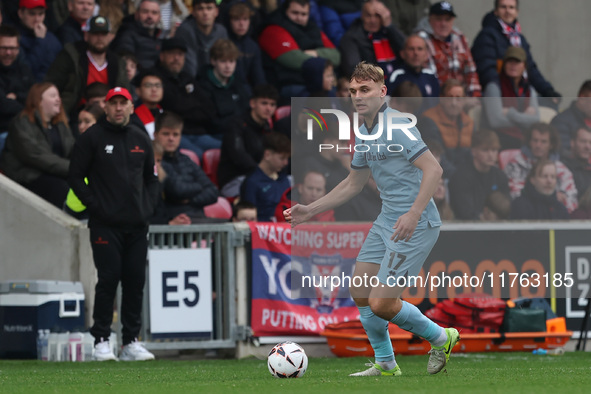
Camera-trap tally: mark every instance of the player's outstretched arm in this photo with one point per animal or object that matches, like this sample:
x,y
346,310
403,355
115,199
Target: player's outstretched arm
x,y
343,192
406,224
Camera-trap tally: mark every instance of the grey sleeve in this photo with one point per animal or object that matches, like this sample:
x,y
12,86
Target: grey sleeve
x,y
493,106
523,119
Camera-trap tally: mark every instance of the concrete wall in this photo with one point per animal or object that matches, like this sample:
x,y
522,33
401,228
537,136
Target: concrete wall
x,y
38,241
558,32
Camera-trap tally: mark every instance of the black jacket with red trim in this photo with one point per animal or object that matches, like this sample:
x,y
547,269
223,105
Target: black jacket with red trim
x,y
356,45
69,73
122,185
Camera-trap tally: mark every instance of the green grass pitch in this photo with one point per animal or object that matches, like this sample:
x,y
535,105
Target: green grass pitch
x,y
466,373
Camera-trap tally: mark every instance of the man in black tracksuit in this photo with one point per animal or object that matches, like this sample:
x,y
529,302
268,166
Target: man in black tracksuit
x,y
117,159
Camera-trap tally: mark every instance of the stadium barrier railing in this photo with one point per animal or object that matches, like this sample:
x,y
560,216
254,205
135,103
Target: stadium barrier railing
x,y
226,242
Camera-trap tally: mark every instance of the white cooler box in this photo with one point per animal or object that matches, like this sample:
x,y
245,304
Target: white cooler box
x,y
28,306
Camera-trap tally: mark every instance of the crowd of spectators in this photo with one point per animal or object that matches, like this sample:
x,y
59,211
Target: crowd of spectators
x,y
211,80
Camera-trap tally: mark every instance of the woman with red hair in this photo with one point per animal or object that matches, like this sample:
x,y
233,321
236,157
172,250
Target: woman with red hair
x,y
39,144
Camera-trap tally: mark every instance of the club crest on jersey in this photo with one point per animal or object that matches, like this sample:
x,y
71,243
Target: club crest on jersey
x,y
109,149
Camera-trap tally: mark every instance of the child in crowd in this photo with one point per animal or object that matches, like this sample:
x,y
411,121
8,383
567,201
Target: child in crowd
x,y
319,76
130,65
96,93
265,186
161,215
131,68
150,90
223,87
89,116
243,211
343,88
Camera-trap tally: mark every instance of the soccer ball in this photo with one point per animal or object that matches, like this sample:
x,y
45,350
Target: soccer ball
x,y
287,360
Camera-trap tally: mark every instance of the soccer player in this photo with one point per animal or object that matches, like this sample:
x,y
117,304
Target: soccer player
x,y
403,234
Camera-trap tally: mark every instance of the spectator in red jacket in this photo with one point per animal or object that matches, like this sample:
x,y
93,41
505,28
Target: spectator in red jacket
x,y
311,188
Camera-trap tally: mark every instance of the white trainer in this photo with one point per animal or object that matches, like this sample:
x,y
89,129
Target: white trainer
x,y
439,356
377,370
103,352
135,351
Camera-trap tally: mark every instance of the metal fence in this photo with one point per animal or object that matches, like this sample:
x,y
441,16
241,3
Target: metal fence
x,y
223,240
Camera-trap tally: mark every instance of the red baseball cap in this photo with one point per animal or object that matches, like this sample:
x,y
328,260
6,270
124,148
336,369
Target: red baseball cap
x,y
32,4
118,91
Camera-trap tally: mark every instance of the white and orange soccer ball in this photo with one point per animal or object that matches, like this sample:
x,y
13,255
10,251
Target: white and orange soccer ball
x,y
287,360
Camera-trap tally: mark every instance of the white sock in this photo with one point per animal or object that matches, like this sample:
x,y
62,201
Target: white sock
x,y
440,341
387,365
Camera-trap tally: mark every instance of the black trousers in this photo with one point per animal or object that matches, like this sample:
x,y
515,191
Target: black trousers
x,y
119,256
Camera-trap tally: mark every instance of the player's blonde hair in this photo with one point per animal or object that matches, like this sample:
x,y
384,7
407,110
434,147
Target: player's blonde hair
x,y
365,71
